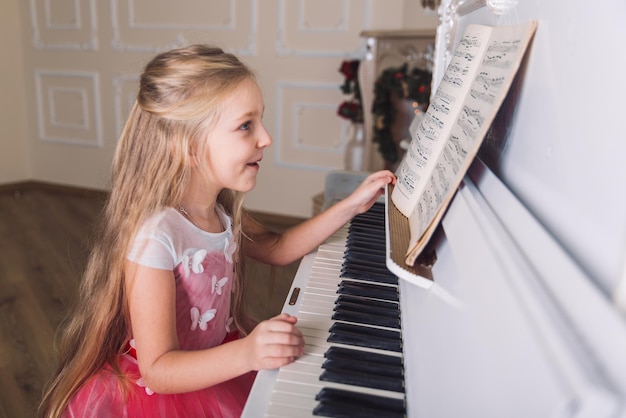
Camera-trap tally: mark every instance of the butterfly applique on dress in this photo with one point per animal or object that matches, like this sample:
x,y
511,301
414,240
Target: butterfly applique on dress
x,y
230,246
201,320
217,285
192,260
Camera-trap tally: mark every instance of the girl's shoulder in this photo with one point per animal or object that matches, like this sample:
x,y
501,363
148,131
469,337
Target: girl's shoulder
x,y
166,221
172,230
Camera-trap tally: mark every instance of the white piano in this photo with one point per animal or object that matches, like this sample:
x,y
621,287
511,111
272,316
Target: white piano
x,y
525,316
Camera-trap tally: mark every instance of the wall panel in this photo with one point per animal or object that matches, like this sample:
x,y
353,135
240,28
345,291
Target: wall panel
x,y
82,59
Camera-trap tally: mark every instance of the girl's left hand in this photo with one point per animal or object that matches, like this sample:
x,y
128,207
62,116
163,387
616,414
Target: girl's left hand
x,y
274,343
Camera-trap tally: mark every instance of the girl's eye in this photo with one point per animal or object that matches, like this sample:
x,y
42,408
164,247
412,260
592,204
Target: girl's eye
x,y
245,126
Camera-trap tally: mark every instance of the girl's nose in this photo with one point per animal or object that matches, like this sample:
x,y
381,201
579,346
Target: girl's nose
x,y
265,139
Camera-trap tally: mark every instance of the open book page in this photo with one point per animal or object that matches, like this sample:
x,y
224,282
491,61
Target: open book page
x,y
445,142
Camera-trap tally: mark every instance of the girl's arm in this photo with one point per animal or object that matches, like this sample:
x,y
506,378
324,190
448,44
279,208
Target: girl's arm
x,y
281,249
167,369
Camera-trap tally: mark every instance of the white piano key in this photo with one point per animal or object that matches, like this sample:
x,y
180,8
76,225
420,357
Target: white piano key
x,y
329,252
317,294
289,388
313,298
310,358
295,378
325,283
314,309
310,366
275,410
329,261
321,286
325,273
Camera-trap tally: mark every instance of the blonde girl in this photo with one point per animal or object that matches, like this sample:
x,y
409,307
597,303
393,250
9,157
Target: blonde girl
x,y
160,328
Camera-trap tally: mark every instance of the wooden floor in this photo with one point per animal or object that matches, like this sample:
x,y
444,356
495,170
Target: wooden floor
x,y
44,241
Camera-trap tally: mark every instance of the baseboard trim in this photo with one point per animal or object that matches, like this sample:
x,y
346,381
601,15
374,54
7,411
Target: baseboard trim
x,y
269,219
23,186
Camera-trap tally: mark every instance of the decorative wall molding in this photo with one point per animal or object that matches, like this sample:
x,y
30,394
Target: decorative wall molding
x,y
169,34
82,122
76,31
338,37
68,107
340,25
299,140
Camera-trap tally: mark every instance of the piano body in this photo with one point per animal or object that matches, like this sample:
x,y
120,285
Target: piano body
x,y
525,314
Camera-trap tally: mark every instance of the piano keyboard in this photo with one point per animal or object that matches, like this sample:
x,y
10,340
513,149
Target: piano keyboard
x,y
350,318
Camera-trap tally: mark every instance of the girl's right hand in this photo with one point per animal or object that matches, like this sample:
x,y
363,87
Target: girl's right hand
x,y
275,342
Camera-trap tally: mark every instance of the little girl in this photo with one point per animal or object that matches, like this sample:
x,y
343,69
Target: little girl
x,y
159,329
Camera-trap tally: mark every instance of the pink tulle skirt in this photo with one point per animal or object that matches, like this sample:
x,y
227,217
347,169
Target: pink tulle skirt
x,y
101,397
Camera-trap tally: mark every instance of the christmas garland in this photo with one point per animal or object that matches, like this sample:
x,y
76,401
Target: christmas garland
x,y
406,84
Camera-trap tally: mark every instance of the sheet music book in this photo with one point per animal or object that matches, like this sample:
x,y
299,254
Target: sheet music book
x,y
448,137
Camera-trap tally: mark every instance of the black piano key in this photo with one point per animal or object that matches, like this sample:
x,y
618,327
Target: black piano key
x,y
384,360
370,290
366,361
371,223
367,319
369,219
374,212
363,336
372,303
367,235
356,266
355,274
368,259
341,403
369,305
368,245
351,378
373,262
367,224
375,370
367,309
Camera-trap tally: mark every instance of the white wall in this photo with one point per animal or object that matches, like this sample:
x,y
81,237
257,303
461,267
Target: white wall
x,y
14,162
81,61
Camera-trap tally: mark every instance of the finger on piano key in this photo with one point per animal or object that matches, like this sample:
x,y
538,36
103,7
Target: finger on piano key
x,y
317,343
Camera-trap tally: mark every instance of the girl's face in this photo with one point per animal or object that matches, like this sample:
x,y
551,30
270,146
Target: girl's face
x,y
236,142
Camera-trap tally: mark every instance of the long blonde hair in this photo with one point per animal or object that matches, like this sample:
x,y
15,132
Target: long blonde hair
x,y
178,100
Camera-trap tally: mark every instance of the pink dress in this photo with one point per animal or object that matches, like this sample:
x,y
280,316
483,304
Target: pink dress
x,y
203,269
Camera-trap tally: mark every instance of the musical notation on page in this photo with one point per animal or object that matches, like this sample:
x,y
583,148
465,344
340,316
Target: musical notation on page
x,y
443,145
